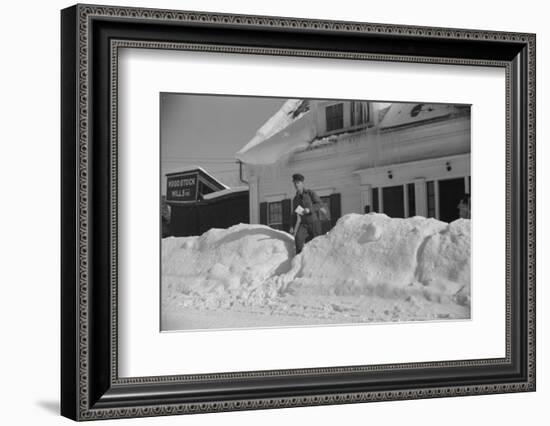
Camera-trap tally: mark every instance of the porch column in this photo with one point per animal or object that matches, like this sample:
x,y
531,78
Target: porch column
x,y
366,197
254,199
421,197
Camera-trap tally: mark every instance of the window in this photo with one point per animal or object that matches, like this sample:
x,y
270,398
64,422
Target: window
x,y
359,113
335,117
275,215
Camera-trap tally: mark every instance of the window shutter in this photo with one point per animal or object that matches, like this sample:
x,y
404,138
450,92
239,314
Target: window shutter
x,y
286,214
263,213
335,208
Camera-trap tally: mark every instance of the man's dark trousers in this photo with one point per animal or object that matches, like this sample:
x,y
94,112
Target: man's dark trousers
x,y
306,232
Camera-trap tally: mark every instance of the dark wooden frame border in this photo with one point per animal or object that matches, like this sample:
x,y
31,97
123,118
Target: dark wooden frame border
x,y
90,386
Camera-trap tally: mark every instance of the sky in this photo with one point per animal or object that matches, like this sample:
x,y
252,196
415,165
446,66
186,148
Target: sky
x,y
207,131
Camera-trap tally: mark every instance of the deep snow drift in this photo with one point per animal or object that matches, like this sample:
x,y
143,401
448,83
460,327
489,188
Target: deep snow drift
x,y
367,268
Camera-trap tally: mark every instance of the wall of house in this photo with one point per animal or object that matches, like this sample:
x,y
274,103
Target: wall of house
x,y
352,163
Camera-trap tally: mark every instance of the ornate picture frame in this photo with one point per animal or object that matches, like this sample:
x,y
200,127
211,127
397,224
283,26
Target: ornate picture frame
x,y
91,37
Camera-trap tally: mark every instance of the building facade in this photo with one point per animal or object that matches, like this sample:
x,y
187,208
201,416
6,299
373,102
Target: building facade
x,y
197,202
401,159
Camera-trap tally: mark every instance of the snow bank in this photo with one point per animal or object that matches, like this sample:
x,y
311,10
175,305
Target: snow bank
x,y
363,255
224,264
389,257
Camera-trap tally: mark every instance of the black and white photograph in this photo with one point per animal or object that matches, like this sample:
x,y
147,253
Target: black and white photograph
x,y
271,207
291,212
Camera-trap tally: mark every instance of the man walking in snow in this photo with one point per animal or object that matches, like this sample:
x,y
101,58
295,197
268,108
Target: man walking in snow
x,y
306,205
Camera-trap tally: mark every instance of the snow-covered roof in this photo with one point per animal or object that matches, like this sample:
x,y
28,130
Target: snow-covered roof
x,y
193,168
224,192
287,130
291,129
277,122
401,114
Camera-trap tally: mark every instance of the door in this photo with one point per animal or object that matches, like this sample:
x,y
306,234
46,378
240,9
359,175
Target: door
x,y
451,192
393,202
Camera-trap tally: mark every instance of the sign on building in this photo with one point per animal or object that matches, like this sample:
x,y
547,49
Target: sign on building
x,y
182,187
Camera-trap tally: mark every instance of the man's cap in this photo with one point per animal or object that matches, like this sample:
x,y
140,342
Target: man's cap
x,y
297,177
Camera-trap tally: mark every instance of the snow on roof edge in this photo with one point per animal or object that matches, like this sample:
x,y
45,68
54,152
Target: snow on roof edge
x,y
223,192
274,124
193,168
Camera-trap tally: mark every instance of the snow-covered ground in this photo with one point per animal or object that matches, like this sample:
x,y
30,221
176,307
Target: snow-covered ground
x,y
368,268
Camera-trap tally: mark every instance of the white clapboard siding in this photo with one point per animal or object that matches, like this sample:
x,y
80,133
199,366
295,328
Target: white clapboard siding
x,y
359,160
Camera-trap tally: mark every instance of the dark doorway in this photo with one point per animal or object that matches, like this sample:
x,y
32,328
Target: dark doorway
x,y
393,201
450,193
